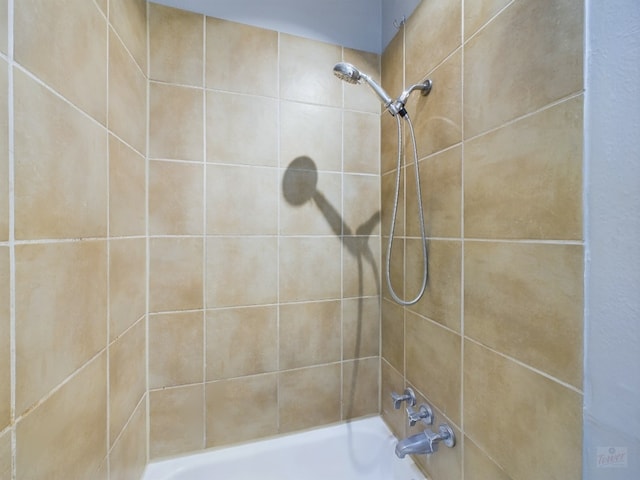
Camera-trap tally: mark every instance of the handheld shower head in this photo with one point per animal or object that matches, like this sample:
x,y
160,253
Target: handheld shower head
x,y
350,74
347,72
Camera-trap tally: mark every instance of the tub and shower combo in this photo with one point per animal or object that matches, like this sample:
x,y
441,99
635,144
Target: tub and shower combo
x,y
362,449
359,450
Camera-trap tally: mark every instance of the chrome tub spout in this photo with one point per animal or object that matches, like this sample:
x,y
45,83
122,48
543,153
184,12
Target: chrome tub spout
x,y
426,442
415,444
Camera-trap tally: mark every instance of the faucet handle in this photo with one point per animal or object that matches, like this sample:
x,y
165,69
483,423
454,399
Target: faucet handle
x,y
424,413
408,397
446,435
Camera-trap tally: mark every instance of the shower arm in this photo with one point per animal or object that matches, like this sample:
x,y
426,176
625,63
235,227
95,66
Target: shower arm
x,y
398,105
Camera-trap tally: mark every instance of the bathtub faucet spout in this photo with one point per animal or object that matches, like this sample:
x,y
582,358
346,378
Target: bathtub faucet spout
x,y
418,443
426,442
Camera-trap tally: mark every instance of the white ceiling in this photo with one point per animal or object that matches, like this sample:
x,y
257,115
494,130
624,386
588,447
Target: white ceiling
x,y
359,24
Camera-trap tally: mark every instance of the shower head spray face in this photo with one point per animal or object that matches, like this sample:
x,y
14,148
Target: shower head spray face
x,y
350,74
347,72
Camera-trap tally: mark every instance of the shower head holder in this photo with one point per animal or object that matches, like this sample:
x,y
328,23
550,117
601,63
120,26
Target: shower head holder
x,y
424,88
350,74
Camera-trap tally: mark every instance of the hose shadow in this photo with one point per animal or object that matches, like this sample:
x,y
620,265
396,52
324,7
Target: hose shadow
x,y
299,186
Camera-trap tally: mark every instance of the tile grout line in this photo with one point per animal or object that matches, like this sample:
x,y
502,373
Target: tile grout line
x,y
128,421
402,170
108,259
526,366
12,247
486,23
147,240
204,231
279,226
53,391
55,93
124,45
380,251
507,123
342,232
462,244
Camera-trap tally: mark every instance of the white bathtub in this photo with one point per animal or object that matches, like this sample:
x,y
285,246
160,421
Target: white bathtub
x,y
358,450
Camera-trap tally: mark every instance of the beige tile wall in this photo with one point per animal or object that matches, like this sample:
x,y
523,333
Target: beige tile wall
x,y
5,337
4,153
495,345
73,251
238,279
256,303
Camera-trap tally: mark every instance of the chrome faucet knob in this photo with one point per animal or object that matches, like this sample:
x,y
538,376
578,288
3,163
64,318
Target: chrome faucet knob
x,y
408,397
424,414
446,435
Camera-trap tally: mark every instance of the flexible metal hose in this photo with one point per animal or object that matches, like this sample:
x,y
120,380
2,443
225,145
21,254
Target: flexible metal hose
x,y
420,215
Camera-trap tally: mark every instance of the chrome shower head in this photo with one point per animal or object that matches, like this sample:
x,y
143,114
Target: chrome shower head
x,y
350,74
347,72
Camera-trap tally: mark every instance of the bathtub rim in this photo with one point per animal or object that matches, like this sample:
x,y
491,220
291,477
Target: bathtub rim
x,y
373,423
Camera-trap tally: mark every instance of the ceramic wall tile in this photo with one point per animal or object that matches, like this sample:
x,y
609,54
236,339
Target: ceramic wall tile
x,y
230,421
128,458
71,293
176,198
497,392
175,274
4,150
309,334
232,263
426,47
127,376
241,58
241,341
127,186
308,397
253,192
66,51
49,448
176,40
176,417
129,19
127,283
305,71
127,96
176,349
526,300
529,56
242,129
60,166
530,185
175,122
5,336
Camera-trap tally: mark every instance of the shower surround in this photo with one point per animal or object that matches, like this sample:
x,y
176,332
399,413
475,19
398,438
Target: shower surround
x,y
254,302
159,295
495,345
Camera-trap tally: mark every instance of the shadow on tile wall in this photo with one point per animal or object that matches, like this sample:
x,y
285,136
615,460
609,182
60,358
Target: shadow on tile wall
x,y
186,248
299,186
278,288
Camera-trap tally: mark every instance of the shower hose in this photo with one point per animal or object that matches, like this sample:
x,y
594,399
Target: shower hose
x,y
395,212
